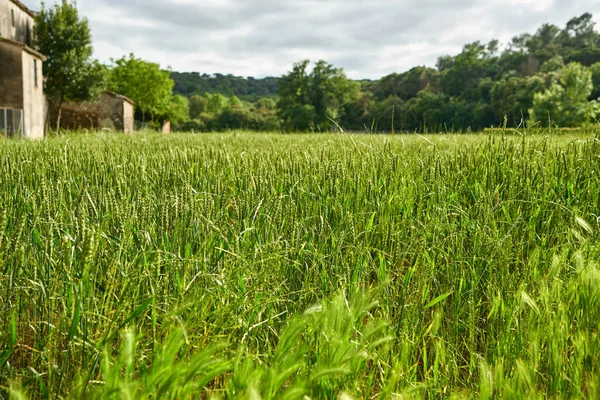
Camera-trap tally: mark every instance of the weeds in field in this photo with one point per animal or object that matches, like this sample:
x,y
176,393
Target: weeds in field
x,y
265,266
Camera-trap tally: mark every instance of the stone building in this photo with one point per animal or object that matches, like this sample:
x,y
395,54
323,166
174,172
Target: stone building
x,y
22,100
110,111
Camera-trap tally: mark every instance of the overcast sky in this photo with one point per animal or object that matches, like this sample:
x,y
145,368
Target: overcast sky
x,y
368,38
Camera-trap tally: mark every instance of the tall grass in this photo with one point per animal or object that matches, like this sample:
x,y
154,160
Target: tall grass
x,y
329,266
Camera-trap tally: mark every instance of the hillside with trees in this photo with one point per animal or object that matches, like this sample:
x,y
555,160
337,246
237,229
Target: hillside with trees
x,y
550,77
547,78
248,89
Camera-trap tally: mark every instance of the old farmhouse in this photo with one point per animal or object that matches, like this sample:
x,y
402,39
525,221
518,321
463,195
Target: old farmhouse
x,y
110,111
22,101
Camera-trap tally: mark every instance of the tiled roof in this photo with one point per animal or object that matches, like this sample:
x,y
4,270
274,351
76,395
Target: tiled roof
x,y
24,47
120,96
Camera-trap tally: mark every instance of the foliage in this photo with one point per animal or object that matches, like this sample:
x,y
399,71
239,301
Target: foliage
x,y
485,85
69,71
555,64
247,89
407,85
595,69
215,112
310,101
215,103
198,105
327,266
468,68
144,82
362,112
565,103
179,109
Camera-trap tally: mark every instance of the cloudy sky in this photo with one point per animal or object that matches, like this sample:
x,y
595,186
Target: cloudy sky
x,y
368,38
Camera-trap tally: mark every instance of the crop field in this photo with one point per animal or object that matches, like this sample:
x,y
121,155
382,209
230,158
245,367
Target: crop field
x,y
264,266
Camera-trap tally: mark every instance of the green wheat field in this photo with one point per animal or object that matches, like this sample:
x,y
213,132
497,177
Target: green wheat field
x,y
265,266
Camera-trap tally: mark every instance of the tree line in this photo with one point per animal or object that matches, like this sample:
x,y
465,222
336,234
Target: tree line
x,y
72,75
247,89
549,78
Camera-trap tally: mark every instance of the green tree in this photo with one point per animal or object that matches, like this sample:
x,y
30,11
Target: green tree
x,y
579,32
235,117
408,84
144,82
198,105
429,111
503,97
178,110
247,89
330,92
70,72
483,116
266,104
358,114
566,103
518,43
444,63
293,106
216,102
554,64
545,39
512,97
595,69
387,115
468,68
266,110
311,101
234,102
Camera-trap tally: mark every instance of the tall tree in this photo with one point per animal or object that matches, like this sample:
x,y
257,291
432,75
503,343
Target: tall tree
x,y
408,84
511,97
595,81
215,103
144,82
545,39
468,68
66,41
178,110
198,105
311,101
294,106
566,103
579,32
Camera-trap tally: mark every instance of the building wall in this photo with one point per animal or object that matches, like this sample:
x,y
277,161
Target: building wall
x,y
33,96
11,72
78,116
21,79
128,119
112,111
22,30
108,112
166,128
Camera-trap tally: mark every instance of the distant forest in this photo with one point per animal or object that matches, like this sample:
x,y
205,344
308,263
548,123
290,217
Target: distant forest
x,y
247,89
550,77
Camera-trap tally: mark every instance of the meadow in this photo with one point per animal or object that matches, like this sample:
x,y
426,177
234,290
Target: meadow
x,y
264,266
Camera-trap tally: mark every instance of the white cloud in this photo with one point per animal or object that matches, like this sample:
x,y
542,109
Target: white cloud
x,y
265,37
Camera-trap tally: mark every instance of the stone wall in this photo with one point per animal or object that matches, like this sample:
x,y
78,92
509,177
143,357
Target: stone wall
x,y
11,76
33,96
128,117
110,111
166,128
22,30
78,116
21,79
